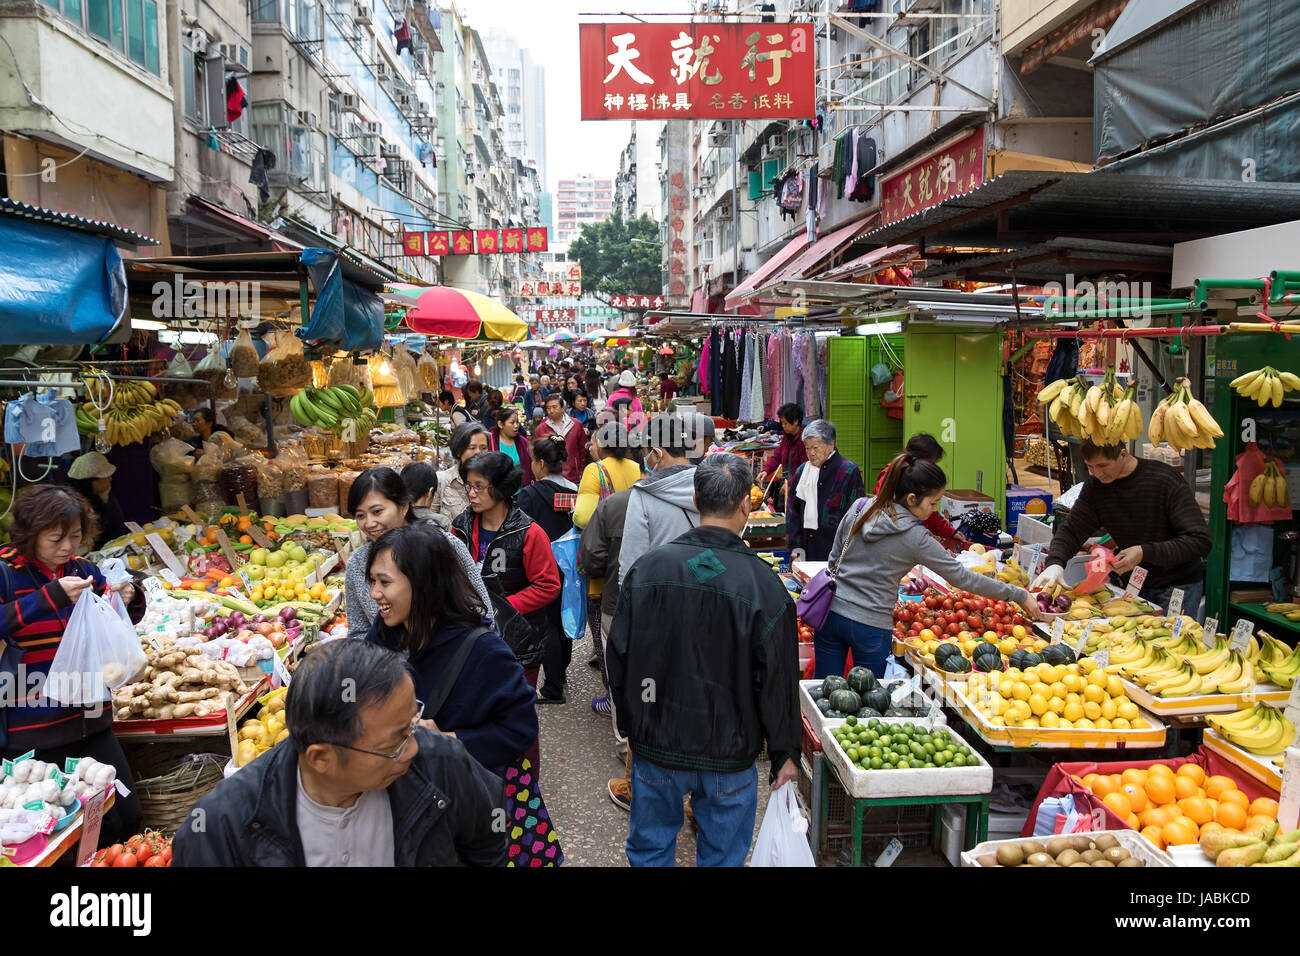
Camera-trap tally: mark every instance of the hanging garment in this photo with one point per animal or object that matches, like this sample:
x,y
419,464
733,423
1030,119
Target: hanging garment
x,y
716,365
730,378
821,376
763,373
46,423
808,372
789,380
851,179
402,35
747,379
823,197
791,195
864,190
236,101
797,349
774,373
703,369
755,410
263,161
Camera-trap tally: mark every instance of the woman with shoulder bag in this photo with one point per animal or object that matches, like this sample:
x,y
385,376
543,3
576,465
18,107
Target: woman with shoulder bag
x,y
876,543
471,686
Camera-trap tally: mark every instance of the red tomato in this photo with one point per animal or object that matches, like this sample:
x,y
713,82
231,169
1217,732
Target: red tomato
x,y
126,859
145,852
100,862
113,852
167,855
157,860
931,602
953,628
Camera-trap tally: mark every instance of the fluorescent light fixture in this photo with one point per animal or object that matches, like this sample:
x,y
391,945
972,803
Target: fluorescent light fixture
x,y
148,325
879,328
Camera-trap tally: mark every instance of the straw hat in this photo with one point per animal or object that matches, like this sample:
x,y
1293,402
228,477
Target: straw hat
x,y
627,379
91,465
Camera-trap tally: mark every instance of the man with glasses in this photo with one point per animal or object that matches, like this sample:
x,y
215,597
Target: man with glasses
x,y
361,781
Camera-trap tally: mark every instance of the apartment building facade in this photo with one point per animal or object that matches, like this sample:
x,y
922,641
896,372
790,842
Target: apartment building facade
x,y
584,199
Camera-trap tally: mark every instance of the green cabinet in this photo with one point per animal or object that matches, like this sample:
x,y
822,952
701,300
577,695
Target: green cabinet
x,y
955,392
864,433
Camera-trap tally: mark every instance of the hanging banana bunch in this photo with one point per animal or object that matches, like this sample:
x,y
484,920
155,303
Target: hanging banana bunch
x,y
1105,413
1183,421
1266,385
132,411
1269,488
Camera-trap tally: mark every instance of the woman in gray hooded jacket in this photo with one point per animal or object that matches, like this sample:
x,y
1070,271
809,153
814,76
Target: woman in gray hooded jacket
x,y
877,542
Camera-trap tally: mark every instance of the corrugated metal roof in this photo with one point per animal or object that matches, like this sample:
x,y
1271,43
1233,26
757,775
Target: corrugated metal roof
x,y
1047,260
1035,205
52,217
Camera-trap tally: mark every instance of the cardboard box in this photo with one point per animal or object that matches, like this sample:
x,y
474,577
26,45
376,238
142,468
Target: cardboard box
x,y
957,501
1026,501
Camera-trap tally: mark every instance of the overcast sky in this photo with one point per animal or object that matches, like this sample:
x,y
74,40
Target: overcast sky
x,y
549,30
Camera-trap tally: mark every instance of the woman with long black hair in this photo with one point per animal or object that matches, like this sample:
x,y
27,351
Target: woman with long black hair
x,y
467,678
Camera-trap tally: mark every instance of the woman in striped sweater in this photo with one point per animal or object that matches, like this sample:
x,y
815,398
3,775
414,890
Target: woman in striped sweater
x,y
40,581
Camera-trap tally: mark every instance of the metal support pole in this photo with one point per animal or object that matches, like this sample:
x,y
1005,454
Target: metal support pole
x,y
735,209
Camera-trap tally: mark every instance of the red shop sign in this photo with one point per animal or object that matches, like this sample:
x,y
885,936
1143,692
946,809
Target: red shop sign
x,y
957,168
697,70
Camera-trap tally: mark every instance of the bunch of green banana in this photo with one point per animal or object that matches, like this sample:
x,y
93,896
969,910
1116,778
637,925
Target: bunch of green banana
x,y
1266,385
1260,729
330,408
1269,488
1183,421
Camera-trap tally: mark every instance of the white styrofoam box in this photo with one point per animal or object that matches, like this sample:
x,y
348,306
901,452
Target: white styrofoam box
x,y
914,782
1136,844
1009,824
1189,855
819,722
952,817
1031,530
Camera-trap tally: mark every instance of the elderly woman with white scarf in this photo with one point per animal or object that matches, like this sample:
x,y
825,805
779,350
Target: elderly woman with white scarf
x,y
822,490
574,435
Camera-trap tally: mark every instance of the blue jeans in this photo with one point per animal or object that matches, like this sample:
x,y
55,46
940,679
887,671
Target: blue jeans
x,y
831,643
724,805
1192,594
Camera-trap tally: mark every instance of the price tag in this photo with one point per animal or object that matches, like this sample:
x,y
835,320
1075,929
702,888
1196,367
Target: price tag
x,y
1175,603
133,527
1058,630
166,555
279,673
902,691
92,810
1178,627
1210,633
1293,704
1038,561
152,589
259,536
169,576
1289,805
243,505
1241,635
156,644
1102,658
1083,638
248,582
1135,581
226,549
192,516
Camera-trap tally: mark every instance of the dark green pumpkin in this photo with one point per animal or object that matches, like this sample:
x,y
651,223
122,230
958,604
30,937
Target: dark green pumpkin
x,y
833,683
816,692
988,663
1057,654
1017,659
955,664
861,680
824,706
1030,660
877,697
845,701
945,651
867,712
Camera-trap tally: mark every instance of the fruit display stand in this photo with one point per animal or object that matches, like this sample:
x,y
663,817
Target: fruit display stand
x,y
766,530
213,725
61,841
1137,846
937,786
1201,704
1259,767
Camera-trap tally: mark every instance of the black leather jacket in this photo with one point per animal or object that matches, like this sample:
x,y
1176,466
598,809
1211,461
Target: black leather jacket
x,y
443,812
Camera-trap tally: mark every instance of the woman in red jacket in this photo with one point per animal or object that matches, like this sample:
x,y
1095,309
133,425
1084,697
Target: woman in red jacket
x,y
509,439
923,447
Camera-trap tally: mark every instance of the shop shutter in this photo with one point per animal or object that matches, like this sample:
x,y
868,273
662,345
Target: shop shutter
x,y
846,395
884,434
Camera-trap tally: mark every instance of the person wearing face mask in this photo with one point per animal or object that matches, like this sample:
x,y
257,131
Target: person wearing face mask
x,y
662,506
875,544
41,579
821,490
467,440
472,687
509,439
379,501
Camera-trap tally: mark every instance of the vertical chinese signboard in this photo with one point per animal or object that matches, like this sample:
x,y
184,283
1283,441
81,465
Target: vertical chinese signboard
x,y
955,169
637,70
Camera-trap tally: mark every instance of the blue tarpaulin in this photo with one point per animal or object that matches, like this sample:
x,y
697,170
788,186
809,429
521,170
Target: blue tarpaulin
x,y
345,315
58,286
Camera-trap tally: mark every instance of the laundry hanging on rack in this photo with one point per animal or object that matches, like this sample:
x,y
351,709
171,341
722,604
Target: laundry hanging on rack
x,y
402,35
236,101
789,193
44,423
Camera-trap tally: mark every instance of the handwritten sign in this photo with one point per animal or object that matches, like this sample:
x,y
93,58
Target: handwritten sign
x,y
226,549
1083,638
152,589
1210,633
1135,581
1102,658
168,575
1241,635
166,555
92,810
1175,603
1288,809
1178,627
243,505
133,527
259,536
248,582
1058,630
192,516
279,673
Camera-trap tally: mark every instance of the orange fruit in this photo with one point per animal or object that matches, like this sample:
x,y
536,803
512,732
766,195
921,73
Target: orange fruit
x,y
1258,820
1156,816
1133,776
1153,834
1184,787
1218,784
1118,803
1103,786
1159,788
1185,820
1235,796
1089,779
1179,834
1137,796
1117,781
1199,809
1263,807
1192,771
1159,770
1132,820
1231,814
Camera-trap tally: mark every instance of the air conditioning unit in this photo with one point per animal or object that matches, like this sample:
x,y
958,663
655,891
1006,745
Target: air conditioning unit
x,y
719,139
390,151
361,13
853,65
422,108
307,118
420,60
776,142
370,128
383,71
405,102
348,102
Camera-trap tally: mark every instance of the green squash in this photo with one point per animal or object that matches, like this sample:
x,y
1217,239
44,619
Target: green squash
x,y
944,651
955,664
816,692
833,683
845,701
824,706
861,680
877,698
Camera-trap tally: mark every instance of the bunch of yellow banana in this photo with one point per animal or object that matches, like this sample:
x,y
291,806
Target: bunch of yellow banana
x,y
1260,729
1269,488
1105,412
1266,385
1013,573
1183,421
1282,672
1287,609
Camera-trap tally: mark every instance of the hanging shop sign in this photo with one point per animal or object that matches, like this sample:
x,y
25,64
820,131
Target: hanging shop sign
x,y
553,317
468,242
637,301
637,70
676,244
949,171
559,279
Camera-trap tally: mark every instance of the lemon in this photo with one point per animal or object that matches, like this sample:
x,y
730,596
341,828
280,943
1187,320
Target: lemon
x,y
1050,720
1126,710
1114,686
1088,665
1084,724
1031,722
1073,711
1059,689
1092,710
1109,709
1098,678
1056,706
1119,723
1038,687
1020,691
1094,694
1103,724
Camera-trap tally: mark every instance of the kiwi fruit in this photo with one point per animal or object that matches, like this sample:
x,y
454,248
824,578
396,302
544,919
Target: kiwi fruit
x,y
1009,854
988,859
1081,843
1040,859
1068,857
1092,856
1058,846
1081,863
1117,854
1030,847
1131,861
1104,863
1106,841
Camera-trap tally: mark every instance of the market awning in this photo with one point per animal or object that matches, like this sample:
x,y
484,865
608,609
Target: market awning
x,y
1097,17
759,275
813,256
209,228
873,261
315,237
1050,261
14,209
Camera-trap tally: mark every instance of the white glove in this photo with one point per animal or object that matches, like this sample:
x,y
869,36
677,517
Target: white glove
x,y
1052,574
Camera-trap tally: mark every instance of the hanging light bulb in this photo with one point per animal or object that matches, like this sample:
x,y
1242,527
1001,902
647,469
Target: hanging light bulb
x,y
385,368
489,361
478,370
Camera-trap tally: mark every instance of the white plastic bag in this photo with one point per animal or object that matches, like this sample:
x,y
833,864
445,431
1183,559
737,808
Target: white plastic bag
x,y
783,837
99,650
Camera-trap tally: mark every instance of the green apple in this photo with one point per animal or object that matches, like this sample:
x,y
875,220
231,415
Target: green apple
x,y
256,572
258,556
276,559
296,552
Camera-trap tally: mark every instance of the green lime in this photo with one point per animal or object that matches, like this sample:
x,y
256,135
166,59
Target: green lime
x,y
851,720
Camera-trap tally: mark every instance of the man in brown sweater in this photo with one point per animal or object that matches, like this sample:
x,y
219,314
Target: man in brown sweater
x,y
1153,517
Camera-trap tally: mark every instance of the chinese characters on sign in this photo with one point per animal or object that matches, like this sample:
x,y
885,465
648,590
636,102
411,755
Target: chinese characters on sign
x,y
637,301
561,279
951,171
677,245
462,242
640,70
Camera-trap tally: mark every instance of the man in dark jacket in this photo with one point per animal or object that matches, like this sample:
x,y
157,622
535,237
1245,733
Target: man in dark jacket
x,y
359,782
703,664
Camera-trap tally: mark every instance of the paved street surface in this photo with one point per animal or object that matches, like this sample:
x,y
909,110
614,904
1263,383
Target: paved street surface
x,y
578,759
